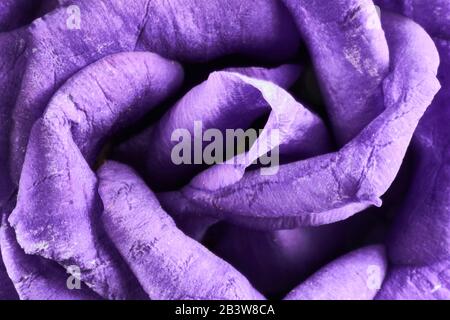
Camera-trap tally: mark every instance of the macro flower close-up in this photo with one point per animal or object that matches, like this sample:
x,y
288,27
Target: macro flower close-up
x,y
224,150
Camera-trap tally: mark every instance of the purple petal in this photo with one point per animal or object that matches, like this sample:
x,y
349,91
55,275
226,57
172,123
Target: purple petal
x,y
289,256
58,205
350,55
34,277
301,134
12,45
433,15
334,186
14,13
355,276
219,103
168,264
431,282
188,31
7,290
420,233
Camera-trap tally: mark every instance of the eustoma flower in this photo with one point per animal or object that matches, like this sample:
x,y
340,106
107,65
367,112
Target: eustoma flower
x,y
118,179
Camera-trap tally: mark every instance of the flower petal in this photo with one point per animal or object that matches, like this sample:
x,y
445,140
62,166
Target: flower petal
x,y
58,205
351,58
168,264
229,100
34,277
334,186
356,276
420,233
192,31
431,282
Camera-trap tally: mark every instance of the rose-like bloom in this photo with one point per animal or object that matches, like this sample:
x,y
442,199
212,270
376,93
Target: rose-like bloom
x,y
356,93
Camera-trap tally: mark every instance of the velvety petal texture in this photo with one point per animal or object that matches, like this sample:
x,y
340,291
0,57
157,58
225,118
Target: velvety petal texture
x,y
432,15
168,264
419,238
228,100
416,239
35,278
430,282
7,290
224,149
86,110
351,56
12,45
94,34
334,186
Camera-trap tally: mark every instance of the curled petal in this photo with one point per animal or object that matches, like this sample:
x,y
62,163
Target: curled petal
x,y
228,100
433,15
420,233
168,264
36,278
300,134
187,31
334,186
350,55
58,204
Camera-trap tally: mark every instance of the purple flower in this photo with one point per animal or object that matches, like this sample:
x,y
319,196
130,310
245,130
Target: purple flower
x,y
224,149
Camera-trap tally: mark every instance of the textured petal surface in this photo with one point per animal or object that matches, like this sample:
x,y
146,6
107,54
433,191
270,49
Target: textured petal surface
x,y
7,290
431,282
334,186
224,149
351,57
420,234
58,206
227,100
12,46
168,264
433,15
34,277
188,31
